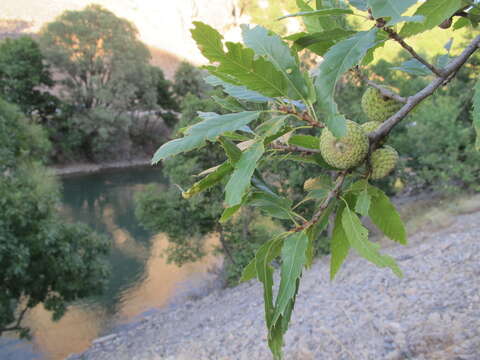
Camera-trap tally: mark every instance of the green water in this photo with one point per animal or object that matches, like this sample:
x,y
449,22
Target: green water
x,y
141,281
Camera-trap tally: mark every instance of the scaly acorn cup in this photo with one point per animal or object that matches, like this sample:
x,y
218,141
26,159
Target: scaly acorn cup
x,y
371,126
383,161
347,151
377,107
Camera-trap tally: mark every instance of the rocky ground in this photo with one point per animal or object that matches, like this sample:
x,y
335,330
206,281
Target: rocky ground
x,y
366,313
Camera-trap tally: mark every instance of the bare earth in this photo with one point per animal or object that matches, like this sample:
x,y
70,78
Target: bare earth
x,y
366,313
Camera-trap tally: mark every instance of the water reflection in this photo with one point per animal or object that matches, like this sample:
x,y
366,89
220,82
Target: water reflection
x,y
141,279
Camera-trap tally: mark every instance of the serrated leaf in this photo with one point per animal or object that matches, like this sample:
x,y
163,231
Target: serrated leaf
x,y
322,12
278,53
271,126
244,168
315,230
434,13
339,246
385,216
306,141
209,129
238,92
392,9
293,259
320,42
231,150
476,114
229,103
228,213
210,180
238,64
272,204
339,59
357,236
414,67
362,205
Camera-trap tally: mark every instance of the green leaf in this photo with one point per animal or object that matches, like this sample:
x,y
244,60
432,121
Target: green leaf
x,y
476,114
323,12
209,129
232,150
238,64
229,103
274,205
238,92
363,203
314,231
339,59
209,180
229,212
434,13
385,216
293,259
271,126
357,236
392,9
279,54
264,256
306,141
311,24
461,23
339,246
320,42
244,168
414,67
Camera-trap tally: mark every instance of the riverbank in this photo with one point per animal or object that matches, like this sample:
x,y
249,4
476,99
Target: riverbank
x,y
366,313
88,168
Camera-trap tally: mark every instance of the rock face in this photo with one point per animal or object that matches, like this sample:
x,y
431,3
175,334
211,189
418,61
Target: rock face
x,y
163,25
432,313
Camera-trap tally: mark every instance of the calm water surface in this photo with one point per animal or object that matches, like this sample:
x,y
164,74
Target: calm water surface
x,y
141,280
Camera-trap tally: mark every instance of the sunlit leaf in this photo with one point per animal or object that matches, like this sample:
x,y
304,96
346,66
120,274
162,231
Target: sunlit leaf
x,y
434,13
240,180
357,236
339,59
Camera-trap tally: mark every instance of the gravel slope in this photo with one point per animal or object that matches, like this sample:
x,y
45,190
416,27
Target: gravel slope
x,y
366,313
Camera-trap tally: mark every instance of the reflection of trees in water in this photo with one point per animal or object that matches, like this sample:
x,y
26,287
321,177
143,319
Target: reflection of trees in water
x,y
105,202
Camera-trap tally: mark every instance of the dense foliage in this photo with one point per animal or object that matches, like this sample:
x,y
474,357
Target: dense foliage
x,y
43,260
293,105
22,74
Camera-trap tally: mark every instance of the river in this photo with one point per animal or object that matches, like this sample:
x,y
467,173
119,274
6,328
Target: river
x,y
141,281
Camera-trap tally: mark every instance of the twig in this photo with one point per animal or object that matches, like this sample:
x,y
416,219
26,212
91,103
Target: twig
x,y
291,148
383,90
414,100
394,35
330,196
304,115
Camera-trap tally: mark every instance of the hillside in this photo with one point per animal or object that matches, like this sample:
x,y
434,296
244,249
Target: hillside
x,y
163,25
366,313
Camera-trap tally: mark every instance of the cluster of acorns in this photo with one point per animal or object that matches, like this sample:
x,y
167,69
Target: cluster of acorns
x,y
351,150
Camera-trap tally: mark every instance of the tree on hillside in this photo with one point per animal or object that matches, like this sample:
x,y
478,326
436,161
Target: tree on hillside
x,y
294,103
23,74
105,77
100,56
43,259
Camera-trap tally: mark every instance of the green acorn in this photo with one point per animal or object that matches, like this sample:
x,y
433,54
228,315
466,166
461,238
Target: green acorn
x,y
383,161
378,107
347,151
